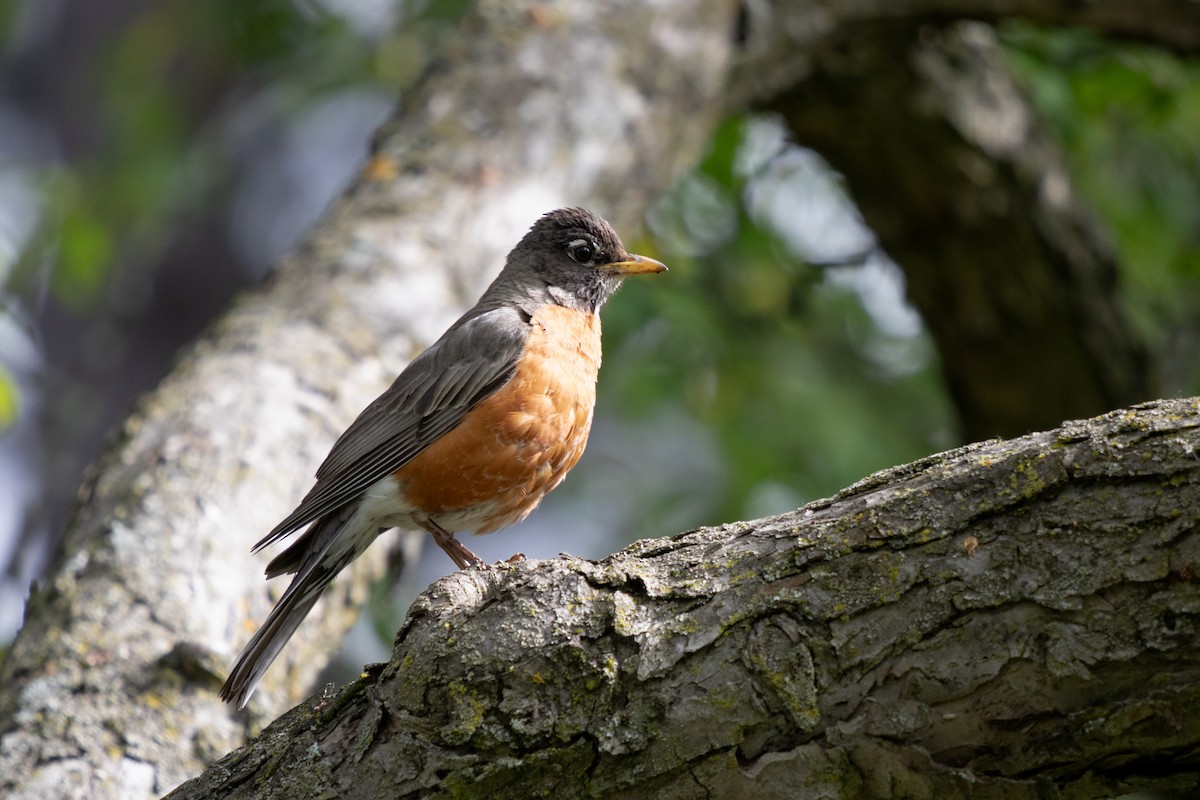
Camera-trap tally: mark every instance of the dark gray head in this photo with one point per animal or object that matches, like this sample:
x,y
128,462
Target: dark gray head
x,y
574,258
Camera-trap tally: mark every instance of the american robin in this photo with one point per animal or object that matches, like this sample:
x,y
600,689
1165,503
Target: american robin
x,y
471,435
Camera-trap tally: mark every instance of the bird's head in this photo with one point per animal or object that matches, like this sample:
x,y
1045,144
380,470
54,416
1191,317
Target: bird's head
x,y
578,258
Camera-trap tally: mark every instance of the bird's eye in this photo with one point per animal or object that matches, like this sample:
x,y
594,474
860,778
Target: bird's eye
x,y
582,252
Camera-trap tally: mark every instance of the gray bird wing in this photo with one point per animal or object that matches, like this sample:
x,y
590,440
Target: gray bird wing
x,y
469,363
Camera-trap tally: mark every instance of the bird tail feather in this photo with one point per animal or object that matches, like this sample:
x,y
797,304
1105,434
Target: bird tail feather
x,y
315,573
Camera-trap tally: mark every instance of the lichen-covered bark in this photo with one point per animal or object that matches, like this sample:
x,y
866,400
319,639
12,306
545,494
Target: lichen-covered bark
x,y
109,689
1014,619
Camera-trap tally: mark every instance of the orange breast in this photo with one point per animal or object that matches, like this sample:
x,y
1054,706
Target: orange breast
x,y
519,443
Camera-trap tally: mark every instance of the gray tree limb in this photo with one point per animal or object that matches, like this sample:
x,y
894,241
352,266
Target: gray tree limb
x,y
109,689
1014,619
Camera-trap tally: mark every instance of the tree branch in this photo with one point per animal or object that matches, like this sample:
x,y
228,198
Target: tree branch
x,y
1010,619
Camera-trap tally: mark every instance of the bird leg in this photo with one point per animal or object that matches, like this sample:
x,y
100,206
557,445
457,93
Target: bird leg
x,y
458,552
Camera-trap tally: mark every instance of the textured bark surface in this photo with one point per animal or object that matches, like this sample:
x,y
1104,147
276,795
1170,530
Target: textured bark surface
x,y
109,689
1014,619
947,161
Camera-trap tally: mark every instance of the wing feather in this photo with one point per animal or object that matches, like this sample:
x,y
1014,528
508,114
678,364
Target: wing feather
x,y
468,364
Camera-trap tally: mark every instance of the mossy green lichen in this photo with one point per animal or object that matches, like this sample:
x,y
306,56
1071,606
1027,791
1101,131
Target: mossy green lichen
x,y
531,775
467,711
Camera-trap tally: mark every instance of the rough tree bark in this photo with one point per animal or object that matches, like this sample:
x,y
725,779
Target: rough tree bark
x,y
1013,619
109,689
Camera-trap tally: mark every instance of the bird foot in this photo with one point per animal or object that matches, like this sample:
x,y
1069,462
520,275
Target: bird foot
x,y
459,553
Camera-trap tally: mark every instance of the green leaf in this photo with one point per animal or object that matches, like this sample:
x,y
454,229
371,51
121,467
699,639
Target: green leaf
x,y
10,400
85,258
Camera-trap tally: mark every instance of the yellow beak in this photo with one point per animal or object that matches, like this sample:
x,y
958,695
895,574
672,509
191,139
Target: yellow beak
x,y
633,265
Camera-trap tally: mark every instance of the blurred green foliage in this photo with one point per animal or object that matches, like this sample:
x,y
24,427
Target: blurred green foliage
x,y
784,365
152,95
800,388
777,361
1128,117
10,399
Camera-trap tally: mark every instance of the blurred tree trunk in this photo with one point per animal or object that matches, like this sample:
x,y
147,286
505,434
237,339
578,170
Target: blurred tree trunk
x,y
951,171
110,689
1016,619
